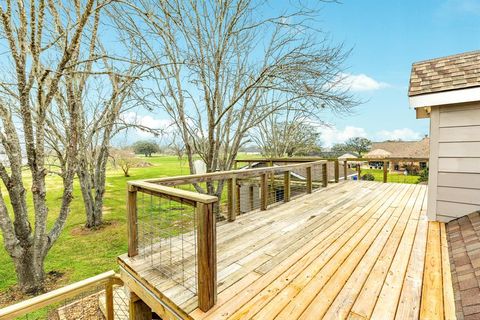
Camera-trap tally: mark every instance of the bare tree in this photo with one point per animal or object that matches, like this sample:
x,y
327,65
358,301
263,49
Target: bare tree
x,y
124,158
225,68
287,134
43,43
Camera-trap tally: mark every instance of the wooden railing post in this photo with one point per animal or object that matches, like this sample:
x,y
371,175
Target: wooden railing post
x,y
324,175
264,192
138,310
358,171
207,256
132,221
345,170
286,186
385,171
337,171
250,197
109,299
309,179
237,198
231,199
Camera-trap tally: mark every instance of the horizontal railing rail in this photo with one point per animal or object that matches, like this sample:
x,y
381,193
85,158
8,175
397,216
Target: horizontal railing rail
x,y
355,163
107,280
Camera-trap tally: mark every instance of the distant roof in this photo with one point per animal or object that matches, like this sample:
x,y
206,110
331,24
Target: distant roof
x,y
454,72
347,156
378,153
401,149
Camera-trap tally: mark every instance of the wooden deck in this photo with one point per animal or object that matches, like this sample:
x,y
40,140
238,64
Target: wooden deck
x,y
359,250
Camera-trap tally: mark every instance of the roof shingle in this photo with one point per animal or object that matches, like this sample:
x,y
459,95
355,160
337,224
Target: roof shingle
x,y
463,236
459,71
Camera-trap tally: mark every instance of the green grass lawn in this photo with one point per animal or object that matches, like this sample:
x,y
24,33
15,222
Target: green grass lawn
x,y
391,177
79,253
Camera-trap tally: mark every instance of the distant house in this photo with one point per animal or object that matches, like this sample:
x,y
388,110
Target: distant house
x,y
400,152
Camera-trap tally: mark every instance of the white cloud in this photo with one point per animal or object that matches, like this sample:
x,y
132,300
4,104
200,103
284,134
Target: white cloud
x,y
332,135
398,134
147,121
362,82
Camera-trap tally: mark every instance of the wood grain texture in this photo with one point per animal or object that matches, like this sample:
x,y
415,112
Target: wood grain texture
x,y
352,250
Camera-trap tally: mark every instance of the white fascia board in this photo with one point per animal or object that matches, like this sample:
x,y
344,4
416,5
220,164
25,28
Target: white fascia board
x,y
446,97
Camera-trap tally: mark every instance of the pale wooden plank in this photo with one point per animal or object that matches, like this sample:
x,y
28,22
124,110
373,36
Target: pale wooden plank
x,y
432,290
340,248
343,302
366,300
335,299
340,265
409,304
295,263
389,296
448,298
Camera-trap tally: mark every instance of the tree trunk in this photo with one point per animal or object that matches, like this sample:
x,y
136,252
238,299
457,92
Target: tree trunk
x,y
30,273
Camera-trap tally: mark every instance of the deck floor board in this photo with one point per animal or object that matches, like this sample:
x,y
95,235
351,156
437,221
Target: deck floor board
x,y
354,250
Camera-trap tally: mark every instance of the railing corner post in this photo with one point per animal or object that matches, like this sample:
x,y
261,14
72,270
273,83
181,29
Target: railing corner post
x,y
324,175
345,170
132,221
337,171
207,256
109,299
309,179
264,192
286,186
385,171
232,199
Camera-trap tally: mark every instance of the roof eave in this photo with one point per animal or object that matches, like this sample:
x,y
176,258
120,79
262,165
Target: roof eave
x,y
457,96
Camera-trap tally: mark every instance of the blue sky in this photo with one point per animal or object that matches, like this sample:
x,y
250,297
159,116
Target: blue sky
x,y
386,38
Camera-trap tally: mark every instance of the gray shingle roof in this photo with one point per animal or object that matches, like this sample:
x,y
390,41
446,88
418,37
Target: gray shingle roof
x,y
459,71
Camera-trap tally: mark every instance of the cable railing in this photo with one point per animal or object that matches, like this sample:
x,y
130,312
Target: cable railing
x,y
172,227
98,297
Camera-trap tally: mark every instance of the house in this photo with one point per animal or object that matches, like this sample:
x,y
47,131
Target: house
x,y
447,90
403,155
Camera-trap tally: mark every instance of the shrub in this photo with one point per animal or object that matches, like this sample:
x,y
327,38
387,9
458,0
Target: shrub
x,y
368,177
423,175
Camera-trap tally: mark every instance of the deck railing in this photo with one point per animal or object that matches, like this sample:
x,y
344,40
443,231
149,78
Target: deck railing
x,y
87,299
174,227
382,169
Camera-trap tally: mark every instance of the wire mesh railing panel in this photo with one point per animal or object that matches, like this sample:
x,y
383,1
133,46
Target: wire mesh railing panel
x,y
276,192
167,238
120,303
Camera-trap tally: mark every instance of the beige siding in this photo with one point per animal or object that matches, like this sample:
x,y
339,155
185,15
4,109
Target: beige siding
x,y
455,143
456,134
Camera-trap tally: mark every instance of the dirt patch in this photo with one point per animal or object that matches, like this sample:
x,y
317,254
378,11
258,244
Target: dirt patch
x,y
86,308
54,280
82,231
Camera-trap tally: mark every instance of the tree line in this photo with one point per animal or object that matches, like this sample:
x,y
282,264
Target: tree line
x,y
73,70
